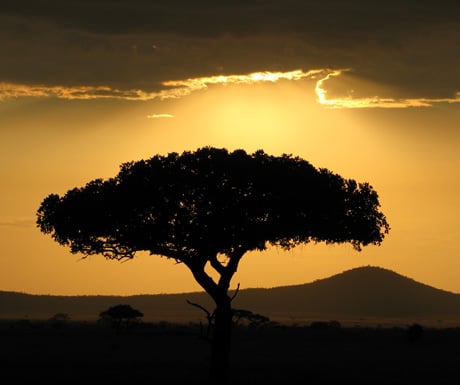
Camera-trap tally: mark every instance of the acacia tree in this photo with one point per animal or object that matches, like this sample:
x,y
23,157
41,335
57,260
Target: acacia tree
x,y
210,207
119,314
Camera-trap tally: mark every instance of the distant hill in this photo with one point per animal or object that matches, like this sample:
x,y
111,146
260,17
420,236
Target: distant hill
x,y
365,292
357,294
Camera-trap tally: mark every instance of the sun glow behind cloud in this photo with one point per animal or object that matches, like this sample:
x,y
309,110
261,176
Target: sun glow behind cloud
x,y
374,101
182,87
176,89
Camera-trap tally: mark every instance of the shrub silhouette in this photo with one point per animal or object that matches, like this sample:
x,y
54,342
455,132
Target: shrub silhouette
x,y
59,320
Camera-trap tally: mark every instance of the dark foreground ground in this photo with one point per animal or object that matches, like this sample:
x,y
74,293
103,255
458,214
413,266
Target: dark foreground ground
x,y
87,353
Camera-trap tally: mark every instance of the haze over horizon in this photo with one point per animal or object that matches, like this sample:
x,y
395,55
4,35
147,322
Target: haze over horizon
x,y
370,91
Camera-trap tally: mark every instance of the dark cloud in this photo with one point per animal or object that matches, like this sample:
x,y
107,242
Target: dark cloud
x,y
211,18
410,44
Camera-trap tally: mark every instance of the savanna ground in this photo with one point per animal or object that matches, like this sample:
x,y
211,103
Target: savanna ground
x,y
162,353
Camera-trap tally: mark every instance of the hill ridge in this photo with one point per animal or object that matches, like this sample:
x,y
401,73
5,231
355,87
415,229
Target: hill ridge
x,y
367,268
361,292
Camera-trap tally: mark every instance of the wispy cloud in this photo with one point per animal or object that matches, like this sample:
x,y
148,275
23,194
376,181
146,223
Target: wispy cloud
x,y
11,90
159,116
175,89
21,222
187,86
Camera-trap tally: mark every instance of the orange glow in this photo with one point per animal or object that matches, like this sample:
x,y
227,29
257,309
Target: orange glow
x,y
58,145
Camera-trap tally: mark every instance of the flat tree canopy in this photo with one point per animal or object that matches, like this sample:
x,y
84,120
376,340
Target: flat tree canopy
x,y
199,204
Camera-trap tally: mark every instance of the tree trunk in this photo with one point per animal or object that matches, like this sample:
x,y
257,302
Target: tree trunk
x,y
221,341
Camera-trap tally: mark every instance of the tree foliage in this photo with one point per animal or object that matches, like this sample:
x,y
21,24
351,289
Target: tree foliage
x,y
200,204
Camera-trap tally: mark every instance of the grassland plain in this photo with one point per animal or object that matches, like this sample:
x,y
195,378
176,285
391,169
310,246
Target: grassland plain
x,y
35,352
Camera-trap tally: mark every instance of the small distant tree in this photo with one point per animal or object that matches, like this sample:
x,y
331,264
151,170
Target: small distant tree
x,y
209,208
59,320
120,315
247,317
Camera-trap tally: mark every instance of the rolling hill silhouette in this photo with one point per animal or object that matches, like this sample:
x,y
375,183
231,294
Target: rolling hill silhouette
x,y
360,293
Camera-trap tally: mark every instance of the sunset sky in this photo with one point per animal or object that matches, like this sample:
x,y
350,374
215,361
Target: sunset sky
x,y
368,89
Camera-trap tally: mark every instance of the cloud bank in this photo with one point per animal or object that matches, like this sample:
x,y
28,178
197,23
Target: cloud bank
x,y
130,49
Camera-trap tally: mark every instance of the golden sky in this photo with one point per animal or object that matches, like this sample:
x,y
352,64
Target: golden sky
x,y
369,90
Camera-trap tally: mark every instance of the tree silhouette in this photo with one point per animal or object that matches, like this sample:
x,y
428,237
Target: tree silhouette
x,y
243,316
210,207
119,314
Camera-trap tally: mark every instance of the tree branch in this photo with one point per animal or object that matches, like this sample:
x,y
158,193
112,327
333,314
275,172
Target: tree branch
x,y
209,316
236,292
196,266
168,252
216,265
230,269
